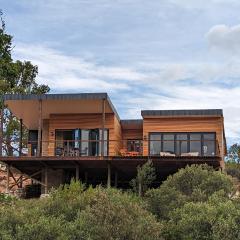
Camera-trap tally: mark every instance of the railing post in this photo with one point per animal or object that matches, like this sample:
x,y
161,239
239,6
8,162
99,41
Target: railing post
x,y
46,180
103,127
77,172
39,127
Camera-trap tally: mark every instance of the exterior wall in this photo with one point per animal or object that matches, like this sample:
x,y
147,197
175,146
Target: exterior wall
x,y
181,124
84,121
131,134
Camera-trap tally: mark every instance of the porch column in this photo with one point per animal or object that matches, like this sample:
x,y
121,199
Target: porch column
x,y
1,126
77,172
39,127
86,177
46,180
103,127
20,137
108,175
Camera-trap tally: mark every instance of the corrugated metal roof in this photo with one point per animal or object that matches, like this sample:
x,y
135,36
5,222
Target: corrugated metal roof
x,y
190,112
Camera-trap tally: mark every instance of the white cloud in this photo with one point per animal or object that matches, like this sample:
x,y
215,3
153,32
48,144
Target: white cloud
x,y
152,85
225,38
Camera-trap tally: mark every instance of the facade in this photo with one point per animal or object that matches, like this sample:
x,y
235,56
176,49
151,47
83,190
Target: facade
x,y
82,136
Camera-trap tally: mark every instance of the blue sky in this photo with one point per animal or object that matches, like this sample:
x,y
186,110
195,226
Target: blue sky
x,y
165,54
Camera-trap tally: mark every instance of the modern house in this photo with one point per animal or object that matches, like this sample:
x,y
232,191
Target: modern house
x,y
82,136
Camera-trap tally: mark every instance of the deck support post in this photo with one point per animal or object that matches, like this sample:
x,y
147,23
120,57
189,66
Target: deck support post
x,y
7,183
21,137
116,179
103,127
108,175
46,180
86,177
77,172
39,128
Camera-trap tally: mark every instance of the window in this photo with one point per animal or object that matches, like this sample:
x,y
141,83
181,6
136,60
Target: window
x,y
134,145
209,144
155,144
168,143
195,143
181,143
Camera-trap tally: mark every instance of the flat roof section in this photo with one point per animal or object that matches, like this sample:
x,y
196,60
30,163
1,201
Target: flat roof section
x,y
132,124
180,113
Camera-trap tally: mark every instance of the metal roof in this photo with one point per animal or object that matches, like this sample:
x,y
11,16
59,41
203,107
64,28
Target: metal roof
x,y
63,96
132,123
190,112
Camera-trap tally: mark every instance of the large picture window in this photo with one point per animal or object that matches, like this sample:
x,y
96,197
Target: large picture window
x,y
182,144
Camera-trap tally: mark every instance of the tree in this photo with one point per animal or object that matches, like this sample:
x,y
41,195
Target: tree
x,y
145,176
15,77
234,153
195,183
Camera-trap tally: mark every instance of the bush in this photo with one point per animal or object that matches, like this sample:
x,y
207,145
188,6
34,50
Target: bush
x,y
195,183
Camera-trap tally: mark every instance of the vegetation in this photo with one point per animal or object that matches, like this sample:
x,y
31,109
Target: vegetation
x,y
15,77
194,203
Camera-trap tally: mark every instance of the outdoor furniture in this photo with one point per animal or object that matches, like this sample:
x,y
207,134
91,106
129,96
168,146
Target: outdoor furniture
x,y
167,154
190,154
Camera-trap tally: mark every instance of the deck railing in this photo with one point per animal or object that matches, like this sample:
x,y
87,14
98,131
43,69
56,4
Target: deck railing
x,y
139,147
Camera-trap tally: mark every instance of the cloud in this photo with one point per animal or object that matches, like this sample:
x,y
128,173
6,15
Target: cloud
x,y
224,38
144,85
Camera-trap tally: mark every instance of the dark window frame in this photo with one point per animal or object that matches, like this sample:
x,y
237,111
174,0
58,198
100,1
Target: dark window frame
x,y
188,140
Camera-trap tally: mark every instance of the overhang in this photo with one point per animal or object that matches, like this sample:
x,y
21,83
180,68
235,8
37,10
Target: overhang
x,y
26,106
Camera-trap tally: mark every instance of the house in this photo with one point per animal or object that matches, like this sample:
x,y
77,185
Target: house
x,y
82,136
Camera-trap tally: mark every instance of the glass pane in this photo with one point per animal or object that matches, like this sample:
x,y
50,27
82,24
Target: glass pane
x,y
209,144
195,143
77,138
155,144
168,143
84,142
105,142
181,143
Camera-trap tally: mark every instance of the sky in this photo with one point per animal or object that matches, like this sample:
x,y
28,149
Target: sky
x,y
156,54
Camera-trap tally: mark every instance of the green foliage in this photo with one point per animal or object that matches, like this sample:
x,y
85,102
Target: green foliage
x,y
145,176
74,212
233,169
15,77
234,153
195,183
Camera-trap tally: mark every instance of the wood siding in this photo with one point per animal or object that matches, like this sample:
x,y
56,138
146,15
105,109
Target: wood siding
x,y
82,121
198,124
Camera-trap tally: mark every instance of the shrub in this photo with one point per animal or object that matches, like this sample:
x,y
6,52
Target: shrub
x,y
194,183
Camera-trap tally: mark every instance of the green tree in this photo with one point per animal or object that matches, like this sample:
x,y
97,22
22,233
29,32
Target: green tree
x,y
15,77
234,153
195,183
145,176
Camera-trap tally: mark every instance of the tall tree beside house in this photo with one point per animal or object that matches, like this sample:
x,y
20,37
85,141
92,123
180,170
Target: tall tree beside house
x,y
234,153
15,77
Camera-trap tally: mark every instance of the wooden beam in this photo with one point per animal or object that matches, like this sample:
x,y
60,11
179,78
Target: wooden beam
x,y
77,172
46,180
7,184
103,127
21,137
108,175
116,179
39,128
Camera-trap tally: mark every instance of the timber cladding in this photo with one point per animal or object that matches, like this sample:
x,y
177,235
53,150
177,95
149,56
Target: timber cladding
x,y
85,121
184,124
